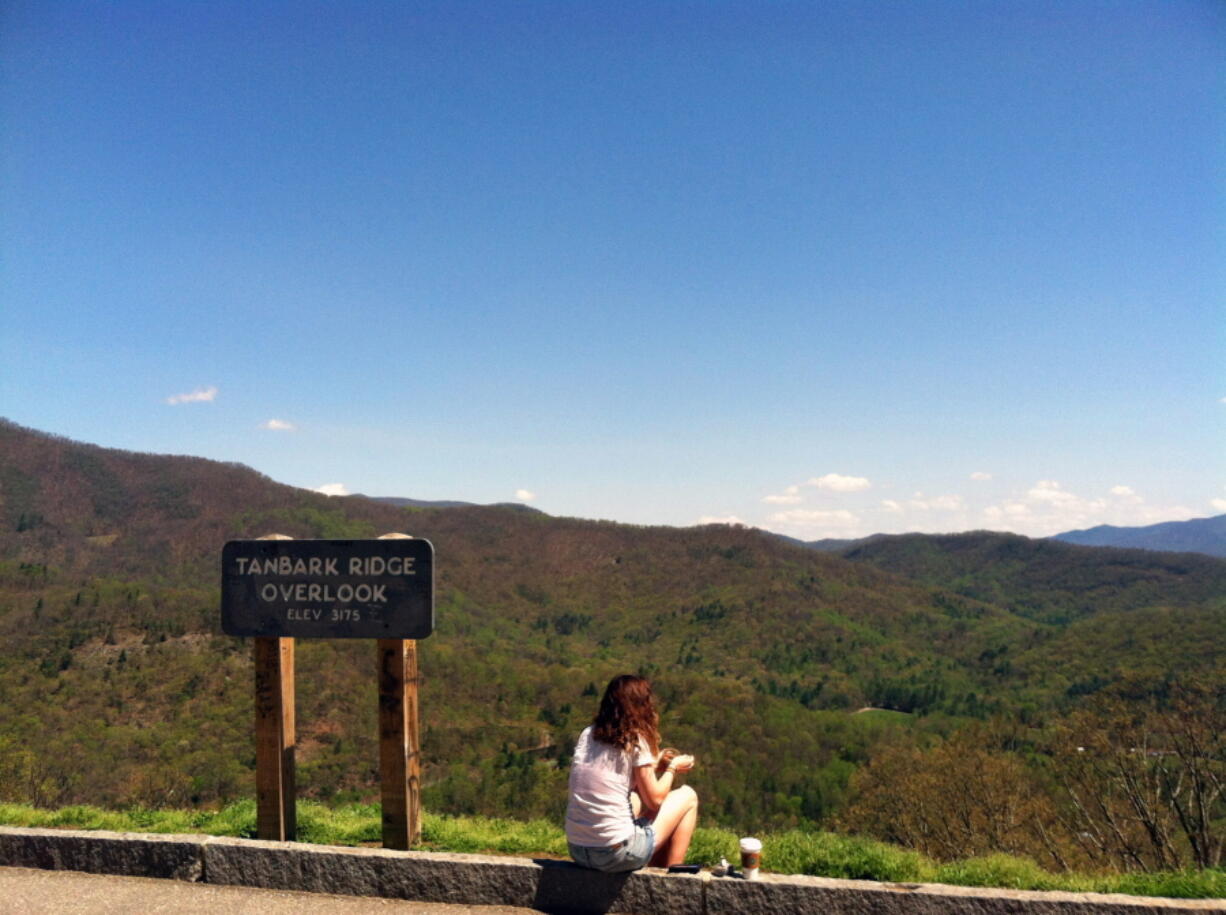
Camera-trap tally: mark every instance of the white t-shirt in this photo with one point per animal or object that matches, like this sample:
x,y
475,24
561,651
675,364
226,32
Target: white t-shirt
x,y
599,814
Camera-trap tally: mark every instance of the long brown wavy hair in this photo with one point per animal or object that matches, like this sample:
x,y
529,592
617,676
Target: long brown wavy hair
x,y
628,712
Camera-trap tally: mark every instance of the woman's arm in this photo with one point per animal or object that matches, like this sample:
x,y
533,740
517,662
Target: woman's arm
x,y
654,790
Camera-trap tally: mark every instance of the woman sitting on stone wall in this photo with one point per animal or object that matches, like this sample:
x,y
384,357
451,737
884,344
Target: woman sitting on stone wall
x,y
623,813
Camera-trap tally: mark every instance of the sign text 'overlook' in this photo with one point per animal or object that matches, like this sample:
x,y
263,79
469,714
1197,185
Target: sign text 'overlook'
x,y
336,589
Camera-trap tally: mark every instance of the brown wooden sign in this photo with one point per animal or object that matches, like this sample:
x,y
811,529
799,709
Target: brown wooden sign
x,y
276,589
333,589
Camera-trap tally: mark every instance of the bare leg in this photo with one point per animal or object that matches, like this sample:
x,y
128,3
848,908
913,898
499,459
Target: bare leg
x,y
674,826
679,842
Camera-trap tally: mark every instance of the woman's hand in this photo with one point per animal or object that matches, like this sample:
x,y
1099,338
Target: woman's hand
x,y
653,788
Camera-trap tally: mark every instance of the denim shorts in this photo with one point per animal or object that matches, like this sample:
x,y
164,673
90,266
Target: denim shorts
x,y
632,854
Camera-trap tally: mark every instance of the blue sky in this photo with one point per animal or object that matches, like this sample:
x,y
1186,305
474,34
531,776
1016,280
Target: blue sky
x,y
823,268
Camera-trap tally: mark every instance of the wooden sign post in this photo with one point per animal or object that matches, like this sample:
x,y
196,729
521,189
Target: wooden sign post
x,y
276,588
399,743
276,815
399,739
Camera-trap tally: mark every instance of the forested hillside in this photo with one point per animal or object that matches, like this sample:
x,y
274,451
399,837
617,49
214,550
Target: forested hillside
x,y
119,688
1047,580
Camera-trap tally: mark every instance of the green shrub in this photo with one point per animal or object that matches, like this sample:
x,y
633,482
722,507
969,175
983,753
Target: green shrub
x,y
83,816
1206,884
237,819
22,815
1007,872
351,824
824,854
483,834
709,845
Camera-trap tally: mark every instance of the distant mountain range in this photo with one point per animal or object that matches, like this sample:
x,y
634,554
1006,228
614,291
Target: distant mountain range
x,y
400,502
1199,535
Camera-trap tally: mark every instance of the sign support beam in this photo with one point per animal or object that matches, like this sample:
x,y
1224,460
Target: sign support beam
x,y
399,743
276,817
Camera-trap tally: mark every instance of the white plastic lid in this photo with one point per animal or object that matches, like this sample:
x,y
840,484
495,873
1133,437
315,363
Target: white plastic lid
x,y
751,844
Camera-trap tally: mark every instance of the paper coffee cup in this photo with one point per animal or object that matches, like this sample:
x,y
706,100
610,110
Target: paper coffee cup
x,y
751,857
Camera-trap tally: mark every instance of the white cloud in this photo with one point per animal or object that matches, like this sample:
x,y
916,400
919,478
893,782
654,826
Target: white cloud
x,y
279,425
831,482
980,475
949,503
1049,491
200,395
1219,504
1048,508
525,495
815,518
333,489
1011,512
722,519
790,496
891,506
1125,495
836,482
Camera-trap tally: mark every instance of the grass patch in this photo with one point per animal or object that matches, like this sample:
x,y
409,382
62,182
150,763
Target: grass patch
x,y
482,834
1012,873
1206,884
826,854
820,854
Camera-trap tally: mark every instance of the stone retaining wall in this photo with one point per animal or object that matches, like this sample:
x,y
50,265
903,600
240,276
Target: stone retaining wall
x,y
553,886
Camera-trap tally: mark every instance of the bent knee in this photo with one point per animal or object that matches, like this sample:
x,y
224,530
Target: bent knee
x,y
688,796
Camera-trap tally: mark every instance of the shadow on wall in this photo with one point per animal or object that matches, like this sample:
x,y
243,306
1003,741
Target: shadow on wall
x,y
565,888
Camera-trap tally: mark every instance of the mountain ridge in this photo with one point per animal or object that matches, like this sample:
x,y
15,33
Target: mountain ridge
x,y
759,649
403,502
1196,535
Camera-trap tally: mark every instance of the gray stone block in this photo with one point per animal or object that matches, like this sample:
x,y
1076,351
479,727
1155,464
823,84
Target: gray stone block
x,y
546,885
554,886
369,872
780,895
100,852
566,887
